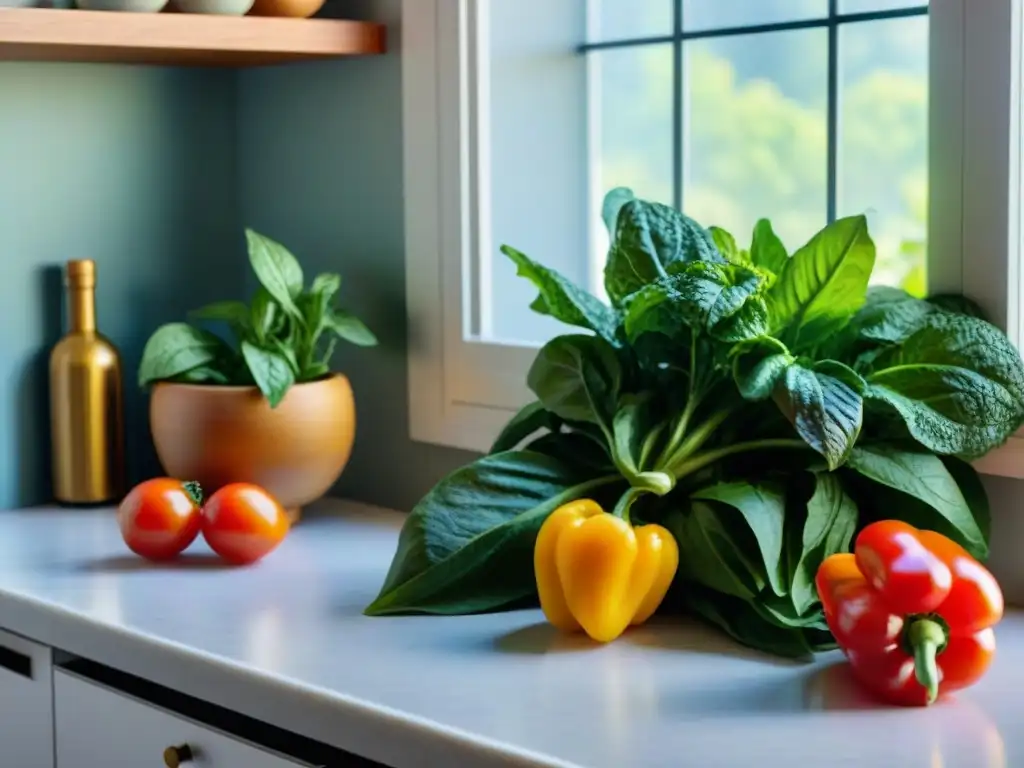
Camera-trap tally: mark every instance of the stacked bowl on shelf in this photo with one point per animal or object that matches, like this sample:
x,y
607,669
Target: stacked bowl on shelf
x,y
299,9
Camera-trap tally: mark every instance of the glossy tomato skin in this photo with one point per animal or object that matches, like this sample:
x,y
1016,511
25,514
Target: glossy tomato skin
x,y
160,518
243,523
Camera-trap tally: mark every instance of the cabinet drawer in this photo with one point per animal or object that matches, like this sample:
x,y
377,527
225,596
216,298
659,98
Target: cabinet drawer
x,y
96,725
26,703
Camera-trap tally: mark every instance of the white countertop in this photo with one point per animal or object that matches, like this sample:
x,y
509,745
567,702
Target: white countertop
x,y
285,641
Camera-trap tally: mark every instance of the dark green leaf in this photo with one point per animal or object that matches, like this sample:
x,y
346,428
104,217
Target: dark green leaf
x,y
577,448
564,301
767,250
270,370
710,552
758,366
922,476
957,304
577,378
649,238
825,405
957,383
722,299
176,348
350,328
277,270
973,490
740,620
763,507
467,546
530,419
823,284
829,527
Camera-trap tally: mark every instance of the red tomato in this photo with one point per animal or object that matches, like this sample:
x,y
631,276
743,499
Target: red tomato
x,y
242,523
160,517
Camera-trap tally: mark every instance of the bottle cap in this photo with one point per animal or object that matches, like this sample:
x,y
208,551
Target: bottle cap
x,y
81,273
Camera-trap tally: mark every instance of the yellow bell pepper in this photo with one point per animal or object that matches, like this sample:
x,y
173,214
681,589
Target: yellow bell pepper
x,y
597,572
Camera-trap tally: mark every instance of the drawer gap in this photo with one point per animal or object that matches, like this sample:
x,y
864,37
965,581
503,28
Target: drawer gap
x,y
16,662
240,726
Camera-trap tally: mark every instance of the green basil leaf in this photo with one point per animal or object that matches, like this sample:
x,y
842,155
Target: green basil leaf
x,y
223,311
350,328
829,527
924,477
287,352
742,621
577,378
825,405
315,370
612,204
263,313
727,246
763,507
568,303
710,554
316,304
823,284
175,348
204,374
270,370
577,448
326,285
957,383
529,420
468,545
767,250
649,238
758,366
970,485
722,299
958,305
636,427
277,270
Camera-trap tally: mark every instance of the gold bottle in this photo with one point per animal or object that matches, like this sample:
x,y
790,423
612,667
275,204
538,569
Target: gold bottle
x,y
86,419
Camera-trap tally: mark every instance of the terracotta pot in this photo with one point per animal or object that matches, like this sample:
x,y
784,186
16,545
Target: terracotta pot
x,y
298,9
219,435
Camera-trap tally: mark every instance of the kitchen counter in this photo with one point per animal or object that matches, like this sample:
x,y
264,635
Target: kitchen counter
x,y
285,641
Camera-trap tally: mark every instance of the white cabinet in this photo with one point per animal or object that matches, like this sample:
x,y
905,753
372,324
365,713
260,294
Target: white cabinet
x,y
26,703
99,726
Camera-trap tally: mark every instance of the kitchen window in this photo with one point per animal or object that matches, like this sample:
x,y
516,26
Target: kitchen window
x,y
521,114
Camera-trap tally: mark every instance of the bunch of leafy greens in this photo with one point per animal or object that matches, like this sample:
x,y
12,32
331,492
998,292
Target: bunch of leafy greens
x,y
285,335
762,406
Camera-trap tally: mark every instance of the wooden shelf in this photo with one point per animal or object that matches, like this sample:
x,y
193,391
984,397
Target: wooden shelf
x,y
38,34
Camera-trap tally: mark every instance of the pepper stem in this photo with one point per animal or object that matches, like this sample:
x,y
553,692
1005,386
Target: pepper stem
x,y
626,501
927,639
194,491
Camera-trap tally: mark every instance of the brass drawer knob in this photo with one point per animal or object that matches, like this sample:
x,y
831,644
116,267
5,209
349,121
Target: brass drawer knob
x,y
177,756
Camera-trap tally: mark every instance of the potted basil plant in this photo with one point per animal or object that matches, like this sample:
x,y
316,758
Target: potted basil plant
x,y
259,404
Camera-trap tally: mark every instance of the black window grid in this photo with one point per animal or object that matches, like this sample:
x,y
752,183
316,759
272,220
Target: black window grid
x,y
832,22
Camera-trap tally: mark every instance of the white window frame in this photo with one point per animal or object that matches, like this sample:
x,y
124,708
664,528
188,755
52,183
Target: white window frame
x,y
461,392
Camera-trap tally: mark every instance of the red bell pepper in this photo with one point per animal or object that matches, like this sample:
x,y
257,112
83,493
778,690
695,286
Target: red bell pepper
x,y
912,611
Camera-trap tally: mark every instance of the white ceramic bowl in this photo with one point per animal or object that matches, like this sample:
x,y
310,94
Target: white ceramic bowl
x,y
216,7
130,6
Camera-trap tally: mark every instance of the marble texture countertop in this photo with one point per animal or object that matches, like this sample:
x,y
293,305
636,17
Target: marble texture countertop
x,y
285,641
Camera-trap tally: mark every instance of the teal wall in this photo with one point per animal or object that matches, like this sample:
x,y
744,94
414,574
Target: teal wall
x,y
134,167
342,211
